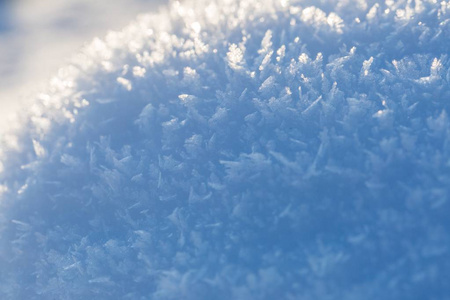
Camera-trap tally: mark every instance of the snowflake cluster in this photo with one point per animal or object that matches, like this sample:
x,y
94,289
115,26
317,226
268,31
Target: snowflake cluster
x,y
238,149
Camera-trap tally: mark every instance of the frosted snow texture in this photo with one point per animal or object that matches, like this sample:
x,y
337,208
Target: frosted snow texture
x,y
239,150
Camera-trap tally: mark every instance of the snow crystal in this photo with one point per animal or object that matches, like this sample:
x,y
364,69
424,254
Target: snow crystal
x,y
232,150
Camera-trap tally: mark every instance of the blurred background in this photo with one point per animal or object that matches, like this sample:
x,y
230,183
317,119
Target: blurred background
x,y
39,36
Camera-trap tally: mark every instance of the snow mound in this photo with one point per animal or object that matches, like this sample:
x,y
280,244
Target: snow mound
x,y
238,150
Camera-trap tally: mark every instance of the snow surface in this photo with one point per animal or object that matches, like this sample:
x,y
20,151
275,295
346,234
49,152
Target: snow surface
x,y
238,150
37,37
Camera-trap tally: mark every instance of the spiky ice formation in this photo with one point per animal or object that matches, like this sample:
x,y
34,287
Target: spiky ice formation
x,y
238,150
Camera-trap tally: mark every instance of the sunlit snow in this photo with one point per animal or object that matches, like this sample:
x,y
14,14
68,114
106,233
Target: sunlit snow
x,y
230,149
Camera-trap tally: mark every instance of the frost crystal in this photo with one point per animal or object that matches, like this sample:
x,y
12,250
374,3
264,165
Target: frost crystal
x,y
234,150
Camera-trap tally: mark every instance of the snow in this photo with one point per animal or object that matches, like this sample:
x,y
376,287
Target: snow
x,y
231,150
37,39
